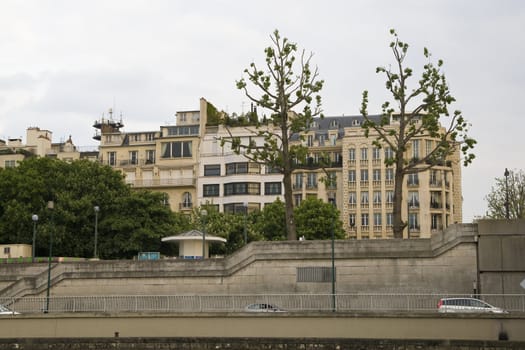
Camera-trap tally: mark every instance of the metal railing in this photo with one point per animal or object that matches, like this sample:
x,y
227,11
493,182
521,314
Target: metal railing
x,y
355,302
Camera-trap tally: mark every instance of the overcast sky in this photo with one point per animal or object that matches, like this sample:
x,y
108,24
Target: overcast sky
x,y
64,63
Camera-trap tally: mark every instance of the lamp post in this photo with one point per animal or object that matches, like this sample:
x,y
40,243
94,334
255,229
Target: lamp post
x,y
204,212
51,207
245,206
506,193
96,208
34,217
332,200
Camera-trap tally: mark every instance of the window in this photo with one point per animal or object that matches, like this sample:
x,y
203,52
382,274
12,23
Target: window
x,y
333,139
176,149
212,170
377,219
298,183
351,176
436,222
435,200
376,153
389,219
150,136
134,157
352,198
210,190
351,154
297,198
356,122
428,147
388,153
364,198
377,197
242,188
364,219
10,163
321,140
351,220
364,153
7,250
236,168
364,175
389,197
413,179
376,175
334,124
272,188
413,221
389,174
150,156
186,200
415,149
310,141
332,180
413,199
112,158
183,130
311,180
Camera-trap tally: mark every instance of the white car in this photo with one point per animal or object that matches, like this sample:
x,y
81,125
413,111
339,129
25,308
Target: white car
x,y
262,307
5,311
467,305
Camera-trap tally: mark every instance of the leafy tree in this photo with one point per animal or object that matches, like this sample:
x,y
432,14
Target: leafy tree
x,y
316,219
420,112
129,221
271,222
514,186
286,84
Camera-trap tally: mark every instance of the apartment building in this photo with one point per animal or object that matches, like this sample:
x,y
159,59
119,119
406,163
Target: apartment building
x,y
39,143
362,186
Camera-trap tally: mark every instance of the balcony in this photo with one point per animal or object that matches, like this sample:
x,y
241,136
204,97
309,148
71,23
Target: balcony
x,y
412,183
185,206
435,183
376,183
436,205
180,182
413,204
297,186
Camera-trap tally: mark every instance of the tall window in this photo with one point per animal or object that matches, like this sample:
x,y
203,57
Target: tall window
x,y
376,153
311,180
332,180
351,154
212,170
413,179
364,198
377,219
377,197
310,141
413,221
428,147
112,158
376,175
389,174
297,199
176,149
389,197
134,157
186,200
351,176
364,219
364,175
272,188
298,183
352,198
413,199
150,156
389,219
389,154
415,149
351,220
364,153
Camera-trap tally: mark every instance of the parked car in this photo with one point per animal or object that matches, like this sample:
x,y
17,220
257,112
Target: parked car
x,y
5,311
467,305
263,307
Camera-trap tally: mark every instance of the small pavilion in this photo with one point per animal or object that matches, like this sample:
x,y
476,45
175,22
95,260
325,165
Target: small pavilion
x,y
190,243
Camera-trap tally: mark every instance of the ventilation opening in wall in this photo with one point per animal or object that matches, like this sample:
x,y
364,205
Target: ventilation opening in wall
x,y
314,274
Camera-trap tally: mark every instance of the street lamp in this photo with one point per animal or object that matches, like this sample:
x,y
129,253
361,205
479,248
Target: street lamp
x,y
204,212
245,206
506,193
34,217
332,200
50,206
96,208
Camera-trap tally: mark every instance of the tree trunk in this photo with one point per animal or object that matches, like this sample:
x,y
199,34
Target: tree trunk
x,y
288,202
399,225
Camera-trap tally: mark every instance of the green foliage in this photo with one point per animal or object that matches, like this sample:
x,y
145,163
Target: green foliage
x,y
272,223
418,112
316,219
284,86
514,186
128,221
213,115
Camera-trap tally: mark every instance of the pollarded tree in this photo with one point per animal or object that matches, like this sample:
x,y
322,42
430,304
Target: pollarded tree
x,y
509,190
287,87
420,113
